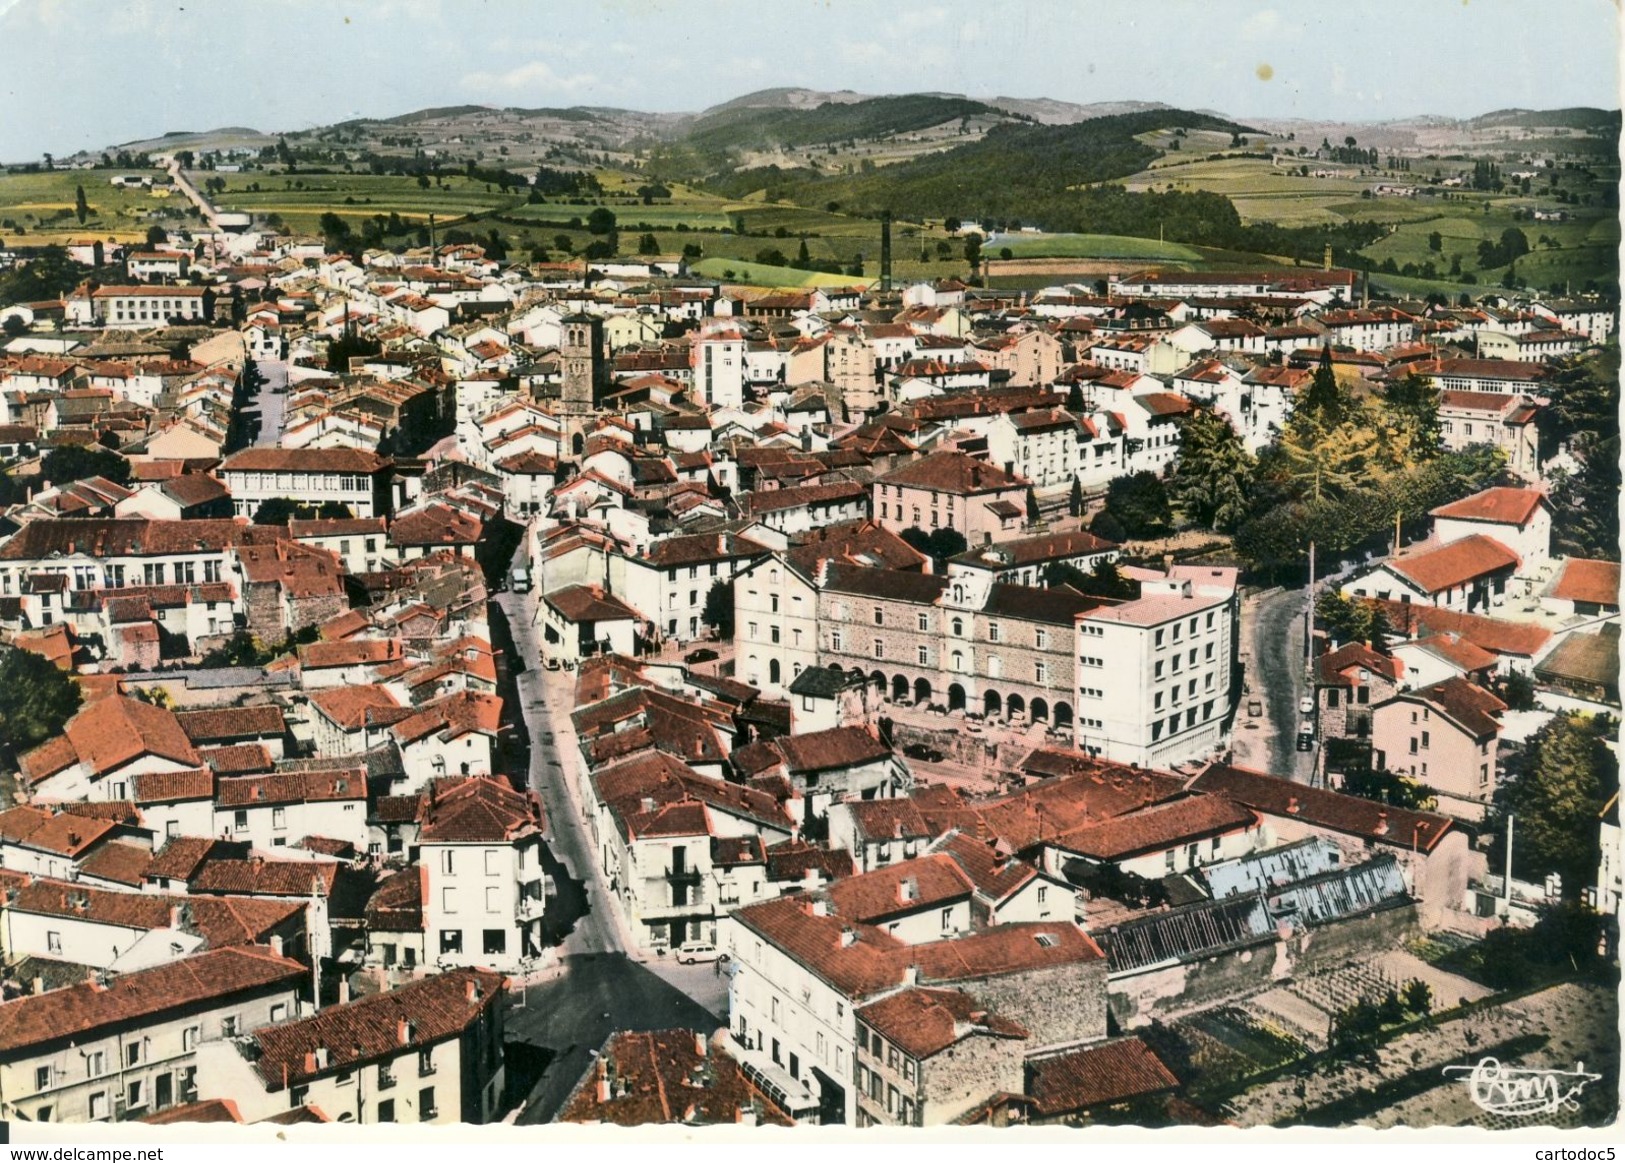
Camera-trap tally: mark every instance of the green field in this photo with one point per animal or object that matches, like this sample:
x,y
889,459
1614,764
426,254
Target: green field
x,y
1264,192
758,275
1097,246
31,207
301,200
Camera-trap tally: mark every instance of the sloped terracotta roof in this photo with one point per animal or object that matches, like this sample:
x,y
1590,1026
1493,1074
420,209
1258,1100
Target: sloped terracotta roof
x,y
953,472
666,1076
1331,810
1434,569
478,810
1497,506
79,1011
1585,580
411,1017
925,1022
1096,1076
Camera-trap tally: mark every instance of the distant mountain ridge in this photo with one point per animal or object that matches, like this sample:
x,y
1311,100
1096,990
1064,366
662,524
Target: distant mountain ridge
x,y
793,117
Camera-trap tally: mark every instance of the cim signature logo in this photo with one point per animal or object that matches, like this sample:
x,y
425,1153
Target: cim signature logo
x,y
1510,1090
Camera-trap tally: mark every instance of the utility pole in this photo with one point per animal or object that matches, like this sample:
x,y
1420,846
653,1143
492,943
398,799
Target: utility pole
x,y
1309,614
1506,889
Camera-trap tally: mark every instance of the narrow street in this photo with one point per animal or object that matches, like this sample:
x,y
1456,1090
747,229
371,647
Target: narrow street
x,y
272,402
601,984
1275,671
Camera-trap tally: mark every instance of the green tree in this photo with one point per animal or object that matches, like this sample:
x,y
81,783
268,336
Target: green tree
x,y
278,510
1139,502
156,235
1212,481
1418,996
1074,500
719,608
1325,402
648,244
1583,417
1351,619
73,462
37,698
601,220
973,252
1571,771
1414,402
1105,580
81,208
1435,241
802,257
1033,513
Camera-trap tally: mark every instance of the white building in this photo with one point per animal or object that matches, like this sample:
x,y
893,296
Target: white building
x,y
1154,674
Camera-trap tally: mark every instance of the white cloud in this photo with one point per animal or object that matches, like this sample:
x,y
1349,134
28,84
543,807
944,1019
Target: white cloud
x,y
863,52
535,76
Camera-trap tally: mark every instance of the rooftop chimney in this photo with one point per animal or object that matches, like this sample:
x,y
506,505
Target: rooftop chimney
x,y
908,889
849,938
403,1032
1292,806
700,1045
603,1089
820,907
1382,821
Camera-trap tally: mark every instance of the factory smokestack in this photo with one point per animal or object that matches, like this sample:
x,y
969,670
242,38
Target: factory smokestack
x,y
885,250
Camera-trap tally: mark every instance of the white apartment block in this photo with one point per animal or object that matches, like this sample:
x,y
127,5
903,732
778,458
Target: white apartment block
x,y
1154,675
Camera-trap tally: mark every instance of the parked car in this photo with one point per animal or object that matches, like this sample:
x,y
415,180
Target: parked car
x,y
694,952
1306,741
1255,708
704,654
1306,705
921,751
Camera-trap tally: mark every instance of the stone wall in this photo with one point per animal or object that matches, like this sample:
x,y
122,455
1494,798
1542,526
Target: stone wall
x,y
1137,998
1058,1006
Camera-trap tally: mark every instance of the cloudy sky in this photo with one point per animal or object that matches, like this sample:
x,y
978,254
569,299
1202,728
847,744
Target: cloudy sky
x,y
85,75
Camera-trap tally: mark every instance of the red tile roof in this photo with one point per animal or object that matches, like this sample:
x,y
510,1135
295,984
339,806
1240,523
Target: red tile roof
x,y
925,1022
65,834
1335,665
383,1025
1331,810
272,459
478,810
233,725
1436,568
1096,1076
1470,707
665,1076
352,707
838,747
114,731
1519,639
1157,828
909,886
1497,506
1585,580
208,978
953,472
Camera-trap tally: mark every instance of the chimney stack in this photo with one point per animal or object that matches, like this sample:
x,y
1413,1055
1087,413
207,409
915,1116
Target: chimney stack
x,y
1292,806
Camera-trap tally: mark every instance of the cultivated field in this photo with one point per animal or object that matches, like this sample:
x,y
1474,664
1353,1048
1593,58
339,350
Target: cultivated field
x,y
37,209
300,200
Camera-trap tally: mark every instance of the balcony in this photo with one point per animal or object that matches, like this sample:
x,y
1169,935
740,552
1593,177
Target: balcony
x,y
530,908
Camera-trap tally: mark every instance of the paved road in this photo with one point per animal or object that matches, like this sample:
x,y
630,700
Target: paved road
x,y
573,1014
603,982
184,184
546,698
1276,673
272,402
